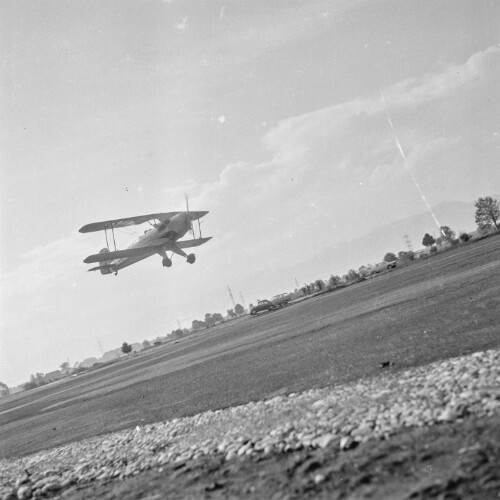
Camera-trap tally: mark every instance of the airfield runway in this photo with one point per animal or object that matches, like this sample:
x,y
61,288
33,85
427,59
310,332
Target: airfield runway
x,y
433,309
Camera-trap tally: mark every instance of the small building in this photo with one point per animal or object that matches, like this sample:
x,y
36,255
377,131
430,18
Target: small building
x,y
53,376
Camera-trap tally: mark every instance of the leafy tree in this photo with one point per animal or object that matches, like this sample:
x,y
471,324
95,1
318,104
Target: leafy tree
x,y
428,240
197,324
487,212
406,256
4,390
216,317
178,334
334,281
208,320
464,237
231,313
389,257
239,309
35,381
146,344
448,234
65,368
126,348
352,275
31,384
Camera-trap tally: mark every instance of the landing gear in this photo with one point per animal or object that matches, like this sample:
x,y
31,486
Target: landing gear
x,y
166,262
191,258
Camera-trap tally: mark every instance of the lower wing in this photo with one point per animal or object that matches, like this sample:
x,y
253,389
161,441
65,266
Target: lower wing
x,y
120,254
192,243
143,251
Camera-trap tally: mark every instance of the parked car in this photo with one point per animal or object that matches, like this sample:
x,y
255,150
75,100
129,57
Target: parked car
x,y
263,305
388,265
281,299
377,268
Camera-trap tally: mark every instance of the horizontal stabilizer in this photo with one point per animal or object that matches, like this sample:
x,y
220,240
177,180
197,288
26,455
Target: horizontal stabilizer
x,y
102,268
133,221
192,243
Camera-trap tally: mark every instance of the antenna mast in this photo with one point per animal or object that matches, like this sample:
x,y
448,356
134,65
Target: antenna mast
x,y
242,301
231,296
408,242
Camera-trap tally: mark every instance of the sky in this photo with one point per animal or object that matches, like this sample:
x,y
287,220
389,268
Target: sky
x,y
274,116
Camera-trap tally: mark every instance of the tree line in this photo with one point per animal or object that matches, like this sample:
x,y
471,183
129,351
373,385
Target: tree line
x,y
487,218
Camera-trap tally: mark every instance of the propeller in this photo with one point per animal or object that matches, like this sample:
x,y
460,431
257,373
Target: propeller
x,y
186,197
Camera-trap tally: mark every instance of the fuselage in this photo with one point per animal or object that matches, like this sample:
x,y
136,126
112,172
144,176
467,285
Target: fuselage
x,y
174,229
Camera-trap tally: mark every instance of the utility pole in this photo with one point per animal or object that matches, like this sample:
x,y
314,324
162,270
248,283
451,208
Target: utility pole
x,y
297,284
408,242
231,296
242,301
179,324
100,347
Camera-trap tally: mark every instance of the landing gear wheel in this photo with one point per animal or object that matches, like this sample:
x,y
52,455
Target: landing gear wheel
x,y
191,258
167,262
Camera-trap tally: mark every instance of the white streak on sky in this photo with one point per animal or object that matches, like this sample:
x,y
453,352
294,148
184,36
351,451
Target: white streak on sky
x,y
408,169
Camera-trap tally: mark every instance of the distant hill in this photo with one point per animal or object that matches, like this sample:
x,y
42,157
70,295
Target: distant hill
x,y
372,247
367,249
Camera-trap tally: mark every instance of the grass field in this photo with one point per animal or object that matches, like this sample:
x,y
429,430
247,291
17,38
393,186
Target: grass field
x,y
433,309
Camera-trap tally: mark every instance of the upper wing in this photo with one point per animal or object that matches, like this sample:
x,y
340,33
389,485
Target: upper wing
x,y
190,243
195,215
126,221
133,221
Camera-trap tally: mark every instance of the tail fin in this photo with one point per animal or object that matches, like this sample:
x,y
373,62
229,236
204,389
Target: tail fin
x,y
103,264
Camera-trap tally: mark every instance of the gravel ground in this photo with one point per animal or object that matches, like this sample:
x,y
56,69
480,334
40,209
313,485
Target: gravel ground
x,y
341,416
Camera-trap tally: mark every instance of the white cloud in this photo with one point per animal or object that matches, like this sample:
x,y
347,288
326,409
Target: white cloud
x,y
415,91
46,266
321,160
357,132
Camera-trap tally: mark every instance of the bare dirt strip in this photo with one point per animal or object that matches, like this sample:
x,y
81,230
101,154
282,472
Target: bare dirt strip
x,y
434,309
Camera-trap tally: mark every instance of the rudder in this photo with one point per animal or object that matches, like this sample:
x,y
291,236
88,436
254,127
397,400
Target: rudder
x,y
103,263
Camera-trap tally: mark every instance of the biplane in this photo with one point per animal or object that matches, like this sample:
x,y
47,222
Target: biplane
x,y
162,238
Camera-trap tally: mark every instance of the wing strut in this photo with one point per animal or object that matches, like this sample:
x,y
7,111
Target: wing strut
x,y
113,231
106,234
